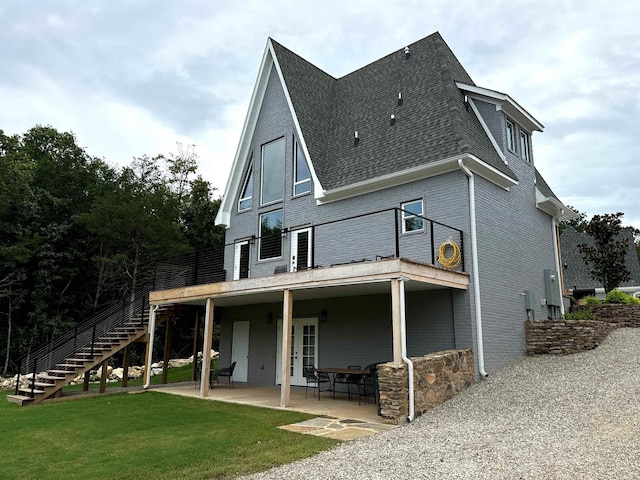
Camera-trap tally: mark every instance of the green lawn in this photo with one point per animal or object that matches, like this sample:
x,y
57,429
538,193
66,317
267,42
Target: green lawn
x,y
147,435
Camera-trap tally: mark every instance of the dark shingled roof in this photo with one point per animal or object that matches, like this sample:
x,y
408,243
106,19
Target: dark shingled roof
x,y
576,273
432,123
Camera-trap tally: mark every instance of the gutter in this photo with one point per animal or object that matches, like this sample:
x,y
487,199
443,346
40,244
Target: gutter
x,y
152,327
474,259
556,255
403,337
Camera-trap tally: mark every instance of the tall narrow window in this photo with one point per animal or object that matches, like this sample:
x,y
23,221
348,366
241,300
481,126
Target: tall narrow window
x,y
511,137
412,214
525,146
301,174
246,198
271,235
272,180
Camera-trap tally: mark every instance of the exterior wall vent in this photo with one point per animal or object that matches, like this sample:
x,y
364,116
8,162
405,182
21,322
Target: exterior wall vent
x,y
407,53
356,138
400,99
392,120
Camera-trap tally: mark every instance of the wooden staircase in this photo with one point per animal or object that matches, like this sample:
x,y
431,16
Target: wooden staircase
x,y
50,382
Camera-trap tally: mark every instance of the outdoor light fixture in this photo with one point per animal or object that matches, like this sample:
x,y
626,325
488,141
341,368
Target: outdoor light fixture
x,y
323,316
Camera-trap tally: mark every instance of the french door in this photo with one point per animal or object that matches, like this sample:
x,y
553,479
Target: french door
x,y
304,348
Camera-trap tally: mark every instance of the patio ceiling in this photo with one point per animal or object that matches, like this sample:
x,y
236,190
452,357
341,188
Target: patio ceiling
x,y
367,278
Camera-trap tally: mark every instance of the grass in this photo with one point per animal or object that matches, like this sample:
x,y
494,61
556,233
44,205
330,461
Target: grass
x,y
147,435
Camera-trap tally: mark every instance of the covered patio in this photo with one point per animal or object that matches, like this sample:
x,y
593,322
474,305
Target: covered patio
x,y
387,277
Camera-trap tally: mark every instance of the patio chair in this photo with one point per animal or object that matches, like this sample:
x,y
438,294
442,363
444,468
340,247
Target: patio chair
x,y
346,379
368,386
222,372
315,380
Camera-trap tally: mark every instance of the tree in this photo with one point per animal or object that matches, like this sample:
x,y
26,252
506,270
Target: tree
x,y
606,257
580,223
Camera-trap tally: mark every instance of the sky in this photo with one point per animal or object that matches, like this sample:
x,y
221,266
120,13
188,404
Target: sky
x,y
130,78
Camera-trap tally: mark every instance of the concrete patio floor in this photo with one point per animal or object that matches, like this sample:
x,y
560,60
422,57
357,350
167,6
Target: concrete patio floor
x,y
340,419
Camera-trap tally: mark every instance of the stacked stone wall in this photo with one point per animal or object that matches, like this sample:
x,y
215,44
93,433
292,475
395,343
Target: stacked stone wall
x,y
437,377
565,337
620,314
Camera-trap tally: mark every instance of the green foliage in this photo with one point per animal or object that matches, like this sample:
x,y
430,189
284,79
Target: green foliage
x,y
618,296
150,435
77,234
579,315
591,300
580,223
606,258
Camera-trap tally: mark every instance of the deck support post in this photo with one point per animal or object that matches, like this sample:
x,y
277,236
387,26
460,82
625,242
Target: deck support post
x,y
196,331
396,319
85,381
125,366
285,374
167,349
206,349
103,375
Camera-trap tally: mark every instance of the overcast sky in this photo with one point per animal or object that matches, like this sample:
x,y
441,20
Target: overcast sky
x,y
135,77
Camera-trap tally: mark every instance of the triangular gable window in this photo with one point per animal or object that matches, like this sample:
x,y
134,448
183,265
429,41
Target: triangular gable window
x,y
246,198
302,175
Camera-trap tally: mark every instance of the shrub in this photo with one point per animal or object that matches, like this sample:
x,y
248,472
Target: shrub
x,y
617,296
591,300
634,300
579,315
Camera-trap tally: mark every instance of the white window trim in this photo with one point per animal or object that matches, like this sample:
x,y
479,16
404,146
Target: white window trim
x,y
297,146
525,148
512,136
271,202
244,186
405,217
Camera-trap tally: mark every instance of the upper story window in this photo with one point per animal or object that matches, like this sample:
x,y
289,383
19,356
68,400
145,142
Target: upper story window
x,y
525,146
411,216
511,136
246,197
301,174
270,235
272,179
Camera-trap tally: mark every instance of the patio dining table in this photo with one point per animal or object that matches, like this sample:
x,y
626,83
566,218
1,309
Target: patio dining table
x,y
333,371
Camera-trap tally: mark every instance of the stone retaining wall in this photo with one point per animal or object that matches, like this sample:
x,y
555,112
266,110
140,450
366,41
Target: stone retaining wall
x,y
565,337
622,315
571,336
437,377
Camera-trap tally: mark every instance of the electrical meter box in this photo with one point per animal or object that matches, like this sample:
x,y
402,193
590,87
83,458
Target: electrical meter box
x,y
529,300
552,287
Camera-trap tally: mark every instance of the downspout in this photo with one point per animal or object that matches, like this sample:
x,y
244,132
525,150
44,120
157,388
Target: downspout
x,y
403,338
556,254
474,259
152,327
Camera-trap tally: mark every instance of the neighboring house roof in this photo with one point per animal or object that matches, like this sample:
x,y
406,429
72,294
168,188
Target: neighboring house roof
x,y
431,124
576,273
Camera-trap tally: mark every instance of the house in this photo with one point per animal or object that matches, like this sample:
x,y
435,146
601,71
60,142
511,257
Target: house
x,y
578,280
377,217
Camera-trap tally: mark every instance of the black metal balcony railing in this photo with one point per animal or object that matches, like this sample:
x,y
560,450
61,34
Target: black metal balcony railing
x,y
358,238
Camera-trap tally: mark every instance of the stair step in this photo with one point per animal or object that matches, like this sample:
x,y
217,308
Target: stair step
x,y
45,385
28,391
81,361
19,399
61,372
50,377
69,365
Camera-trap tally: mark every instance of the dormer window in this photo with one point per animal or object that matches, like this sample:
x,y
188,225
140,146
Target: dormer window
x,y
301,174
246,198
272,179
525,146
511,136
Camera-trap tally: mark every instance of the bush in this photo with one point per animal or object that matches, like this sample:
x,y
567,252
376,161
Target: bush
x,y
579,315
618,296
591,300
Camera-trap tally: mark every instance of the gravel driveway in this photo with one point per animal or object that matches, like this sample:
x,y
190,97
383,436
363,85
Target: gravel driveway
x,y
545,417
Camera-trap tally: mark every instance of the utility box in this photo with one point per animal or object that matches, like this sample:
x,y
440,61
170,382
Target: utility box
x,y
552,288
529,300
